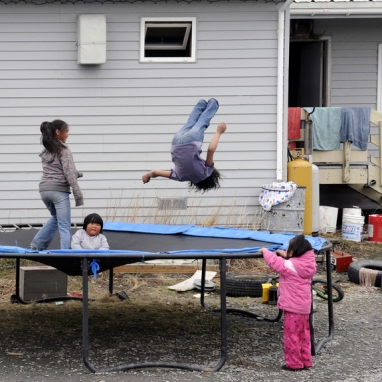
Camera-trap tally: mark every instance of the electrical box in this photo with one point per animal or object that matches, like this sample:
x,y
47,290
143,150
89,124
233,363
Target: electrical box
x,y
39,282
91,39
340,261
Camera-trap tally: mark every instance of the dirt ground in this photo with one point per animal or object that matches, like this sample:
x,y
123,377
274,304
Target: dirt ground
x,y
43,342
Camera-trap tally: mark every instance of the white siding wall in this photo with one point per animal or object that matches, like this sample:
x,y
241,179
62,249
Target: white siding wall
x,y
123,114
354,59
354,69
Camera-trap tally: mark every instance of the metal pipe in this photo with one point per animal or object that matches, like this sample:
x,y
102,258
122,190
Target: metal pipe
x,y
282,40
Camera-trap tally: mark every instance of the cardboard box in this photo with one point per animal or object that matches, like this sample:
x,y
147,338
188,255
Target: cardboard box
x,y
340,261
39,282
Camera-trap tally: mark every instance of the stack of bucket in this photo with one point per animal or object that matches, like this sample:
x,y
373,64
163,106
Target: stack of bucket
x,y
352,224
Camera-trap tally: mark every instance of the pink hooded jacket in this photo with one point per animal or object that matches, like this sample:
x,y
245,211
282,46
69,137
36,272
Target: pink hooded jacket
x,y
294,291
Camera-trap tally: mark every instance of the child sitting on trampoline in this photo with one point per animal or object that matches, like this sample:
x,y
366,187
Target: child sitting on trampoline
x,y
90,236
186,149
296,267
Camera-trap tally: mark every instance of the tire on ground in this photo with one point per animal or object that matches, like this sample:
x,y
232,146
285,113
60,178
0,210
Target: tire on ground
x,y
355,266
240,285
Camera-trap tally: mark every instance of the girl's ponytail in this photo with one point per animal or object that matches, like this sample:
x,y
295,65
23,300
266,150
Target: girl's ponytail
x,y
48,138
45,128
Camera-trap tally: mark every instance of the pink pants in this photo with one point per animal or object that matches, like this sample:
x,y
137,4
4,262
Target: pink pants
x,y
297,346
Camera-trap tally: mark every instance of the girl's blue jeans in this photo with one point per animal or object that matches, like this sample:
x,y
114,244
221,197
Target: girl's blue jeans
x,y
197,123
58,205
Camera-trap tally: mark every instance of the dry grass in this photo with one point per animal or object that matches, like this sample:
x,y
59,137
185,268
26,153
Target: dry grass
x,y
135,210
359,250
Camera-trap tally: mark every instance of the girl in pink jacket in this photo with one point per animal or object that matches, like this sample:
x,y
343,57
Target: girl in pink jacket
x,y
296,267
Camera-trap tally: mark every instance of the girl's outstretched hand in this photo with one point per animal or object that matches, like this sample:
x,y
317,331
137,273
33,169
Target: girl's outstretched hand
x,y
222,127
154,174
281,253
146,178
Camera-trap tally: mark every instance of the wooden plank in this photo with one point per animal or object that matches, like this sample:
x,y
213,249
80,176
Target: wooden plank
x,y
375,161
160,268
374,140
375,117
334,176
337,156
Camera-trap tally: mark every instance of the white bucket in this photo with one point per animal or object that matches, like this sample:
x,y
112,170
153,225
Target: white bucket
x,y
354,211
352,227
328,219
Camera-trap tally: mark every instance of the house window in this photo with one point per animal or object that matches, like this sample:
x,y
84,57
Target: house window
x,y
168,39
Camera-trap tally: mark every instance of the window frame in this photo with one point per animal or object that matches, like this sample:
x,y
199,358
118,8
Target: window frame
x,y
175,20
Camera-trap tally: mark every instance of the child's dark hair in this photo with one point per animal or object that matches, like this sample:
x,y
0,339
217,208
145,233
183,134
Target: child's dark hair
x,y
210,183
299,245
93,218
48,136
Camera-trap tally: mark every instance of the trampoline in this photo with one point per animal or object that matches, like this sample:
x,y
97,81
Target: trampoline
x,y
141,242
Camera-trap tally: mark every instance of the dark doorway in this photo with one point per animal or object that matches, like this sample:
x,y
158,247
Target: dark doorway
x,y
307,73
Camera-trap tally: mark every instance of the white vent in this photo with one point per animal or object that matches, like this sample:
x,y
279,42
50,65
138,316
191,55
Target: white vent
x,y
91,39
172,203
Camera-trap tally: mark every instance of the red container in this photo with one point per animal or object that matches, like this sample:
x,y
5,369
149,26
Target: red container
x,y
340,261
375,228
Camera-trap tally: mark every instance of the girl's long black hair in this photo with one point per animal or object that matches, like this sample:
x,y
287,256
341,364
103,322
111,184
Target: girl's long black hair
x,y
210,183
299,245
48,136
93,218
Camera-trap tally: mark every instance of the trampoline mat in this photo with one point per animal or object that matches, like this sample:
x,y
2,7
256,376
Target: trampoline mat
x,y
130,241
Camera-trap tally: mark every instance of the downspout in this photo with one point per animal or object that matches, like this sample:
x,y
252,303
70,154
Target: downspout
x,y
281,75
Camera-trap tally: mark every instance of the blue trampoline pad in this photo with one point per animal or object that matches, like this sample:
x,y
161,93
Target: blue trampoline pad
x,y
130,243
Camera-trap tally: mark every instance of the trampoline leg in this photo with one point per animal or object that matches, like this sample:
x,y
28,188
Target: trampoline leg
x,y
111,281
203,281
124,367
85,316
330,304
311,328
15,298
223,313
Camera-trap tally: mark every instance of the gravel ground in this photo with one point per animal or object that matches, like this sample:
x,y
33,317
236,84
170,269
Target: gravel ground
x,y
43,342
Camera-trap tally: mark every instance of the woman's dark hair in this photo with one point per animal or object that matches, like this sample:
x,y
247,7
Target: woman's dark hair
x,y
299,245
210,183
93,218
48,136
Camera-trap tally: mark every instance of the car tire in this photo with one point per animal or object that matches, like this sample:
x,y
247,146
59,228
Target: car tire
x,y
355,266
241,285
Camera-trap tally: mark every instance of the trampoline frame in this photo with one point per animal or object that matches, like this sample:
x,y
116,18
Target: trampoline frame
x,y
222,257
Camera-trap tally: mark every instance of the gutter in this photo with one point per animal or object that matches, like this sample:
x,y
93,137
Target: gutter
x,y
282,74
344,12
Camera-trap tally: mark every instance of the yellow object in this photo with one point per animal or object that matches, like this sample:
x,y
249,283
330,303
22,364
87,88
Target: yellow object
x,y
265,295
300,172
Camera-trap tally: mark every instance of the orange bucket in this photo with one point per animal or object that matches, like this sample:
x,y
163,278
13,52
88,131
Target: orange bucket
x,y
375,228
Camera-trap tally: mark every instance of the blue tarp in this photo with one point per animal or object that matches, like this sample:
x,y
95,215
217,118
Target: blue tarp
x,y
279,241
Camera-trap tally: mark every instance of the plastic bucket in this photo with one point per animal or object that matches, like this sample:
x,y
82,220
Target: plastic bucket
x,y
352,227
328,219
355,211
375,228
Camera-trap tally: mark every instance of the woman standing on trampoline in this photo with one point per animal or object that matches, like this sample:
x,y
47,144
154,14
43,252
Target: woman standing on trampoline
x,y
187,147
59,175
